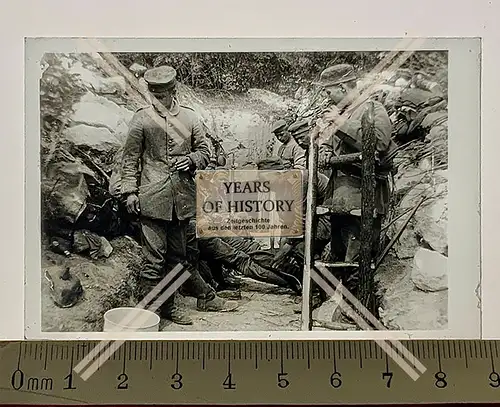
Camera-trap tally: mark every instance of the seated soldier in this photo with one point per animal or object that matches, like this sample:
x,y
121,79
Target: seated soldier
x,y
289,151
217,252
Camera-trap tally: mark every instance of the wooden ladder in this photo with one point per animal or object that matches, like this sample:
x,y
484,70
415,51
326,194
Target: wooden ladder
x,y
367,159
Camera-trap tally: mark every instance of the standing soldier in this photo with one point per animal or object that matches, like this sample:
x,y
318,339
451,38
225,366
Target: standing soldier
x,y
344,137
289,151
165,146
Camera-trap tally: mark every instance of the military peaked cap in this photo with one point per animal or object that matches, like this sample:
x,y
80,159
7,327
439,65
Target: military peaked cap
x,y
161,77
279,125
337,74
299,127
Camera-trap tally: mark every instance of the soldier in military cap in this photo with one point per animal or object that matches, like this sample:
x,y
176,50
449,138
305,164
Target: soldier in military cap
x,y
289,151
344,137
165,146
300,130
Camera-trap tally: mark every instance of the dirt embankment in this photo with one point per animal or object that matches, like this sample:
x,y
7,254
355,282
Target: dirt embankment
x,y
107,283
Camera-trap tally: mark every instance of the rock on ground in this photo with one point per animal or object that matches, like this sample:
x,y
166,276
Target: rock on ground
x,y
431,220
137,68
430,271
404,307
330,310
407,244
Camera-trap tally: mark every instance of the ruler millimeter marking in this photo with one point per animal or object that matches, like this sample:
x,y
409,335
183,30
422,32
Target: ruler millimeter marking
x,y
246,372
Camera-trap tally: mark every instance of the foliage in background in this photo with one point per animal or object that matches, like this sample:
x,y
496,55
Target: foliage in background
x,y
59,91
280,72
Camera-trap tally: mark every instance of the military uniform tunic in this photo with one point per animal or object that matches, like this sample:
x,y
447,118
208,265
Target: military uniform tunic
x,y
292,153
153,145
348,183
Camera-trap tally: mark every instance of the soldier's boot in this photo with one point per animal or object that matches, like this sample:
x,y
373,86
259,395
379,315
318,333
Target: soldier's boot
x,y
285,280
169,310
211,302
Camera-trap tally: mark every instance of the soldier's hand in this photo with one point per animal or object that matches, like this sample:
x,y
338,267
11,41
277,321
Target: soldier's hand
x,y
183,164
331,114
325,157
132,204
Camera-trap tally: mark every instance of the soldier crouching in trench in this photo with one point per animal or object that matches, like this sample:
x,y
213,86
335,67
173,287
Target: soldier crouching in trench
x,y
164,147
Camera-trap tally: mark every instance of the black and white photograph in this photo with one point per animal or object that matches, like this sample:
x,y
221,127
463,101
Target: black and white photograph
x,y
373,138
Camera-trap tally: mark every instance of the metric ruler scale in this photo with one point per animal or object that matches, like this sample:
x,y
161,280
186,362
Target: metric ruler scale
x,y
246,372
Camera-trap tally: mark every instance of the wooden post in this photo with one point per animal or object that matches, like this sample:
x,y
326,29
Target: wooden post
x,y
312,175
366,281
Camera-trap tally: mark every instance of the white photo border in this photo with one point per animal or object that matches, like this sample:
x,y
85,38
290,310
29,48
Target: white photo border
x,y
464,211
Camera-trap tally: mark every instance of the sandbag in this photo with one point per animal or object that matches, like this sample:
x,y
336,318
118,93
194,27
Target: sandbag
x,y
64,187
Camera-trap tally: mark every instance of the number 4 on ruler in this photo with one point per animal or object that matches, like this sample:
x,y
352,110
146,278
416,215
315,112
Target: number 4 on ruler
x,y
228,382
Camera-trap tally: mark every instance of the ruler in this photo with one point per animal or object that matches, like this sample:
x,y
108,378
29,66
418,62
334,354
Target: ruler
x,y
302,372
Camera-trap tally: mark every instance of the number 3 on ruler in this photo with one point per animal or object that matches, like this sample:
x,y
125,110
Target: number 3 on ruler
x,y
177,384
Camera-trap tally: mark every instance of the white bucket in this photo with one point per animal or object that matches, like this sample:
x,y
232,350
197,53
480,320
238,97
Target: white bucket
x,y
128,319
